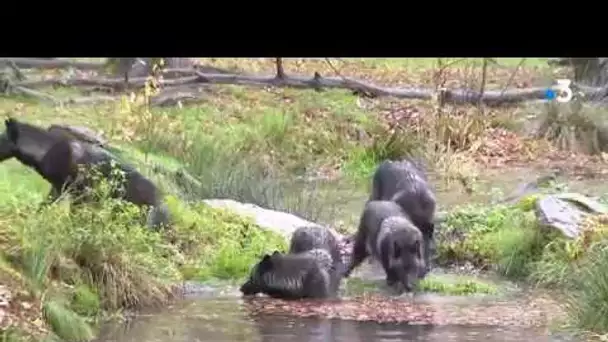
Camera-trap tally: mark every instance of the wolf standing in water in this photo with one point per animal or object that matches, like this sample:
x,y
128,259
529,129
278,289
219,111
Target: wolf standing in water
x,y
405,183
292,276
312,268
311,238
386,233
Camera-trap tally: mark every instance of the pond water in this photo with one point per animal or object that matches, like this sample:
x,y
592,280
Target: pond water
x,y
221,314
227,319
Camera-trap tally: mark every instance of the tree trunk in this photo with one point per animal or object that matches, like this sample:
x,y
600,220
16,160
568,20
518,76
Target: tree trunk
x,y
592,72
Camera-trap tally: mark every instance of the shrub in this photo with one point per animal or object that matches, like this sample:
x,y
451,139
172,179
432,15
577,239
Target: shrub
x,y
85,301
505,238
218,243
562,257
586,301
127,264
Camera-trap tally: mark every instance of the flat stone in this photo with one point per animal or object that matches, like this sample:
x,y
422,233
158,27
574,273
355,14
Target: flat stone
x,y
559,214
279,222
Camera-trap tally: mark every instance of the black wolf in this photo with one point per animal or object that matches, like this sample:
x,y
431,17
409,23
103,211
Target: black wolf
x,y
292,276
405,183
65,163
310,237
386,233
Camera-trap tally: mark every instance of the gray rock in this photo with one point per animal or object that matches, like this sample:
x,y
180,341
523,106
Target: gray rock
x,y
280,222
565,212
589,204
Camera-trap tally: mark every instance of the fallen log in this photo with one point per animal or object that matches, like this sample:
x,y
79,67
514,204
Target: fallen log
x,y
193,76
455,96
38,63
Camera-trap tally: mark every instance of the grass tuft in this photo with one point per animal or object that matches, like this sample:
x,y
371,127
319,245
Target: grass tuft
x,y
65,323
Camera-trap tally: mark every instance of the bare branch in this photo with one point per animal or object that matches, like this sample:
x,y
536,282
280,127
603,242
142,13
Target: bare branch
x,y
513,74
336,71
451,95
484,74
18,74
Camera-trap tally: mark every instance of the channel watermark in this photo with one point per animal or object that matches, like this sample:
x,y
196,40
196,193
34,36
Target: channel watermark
x,y
561,92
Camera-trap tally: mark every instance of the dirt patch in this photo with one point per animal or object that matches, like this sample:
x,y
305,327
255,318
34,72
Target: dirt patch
x,y
18,310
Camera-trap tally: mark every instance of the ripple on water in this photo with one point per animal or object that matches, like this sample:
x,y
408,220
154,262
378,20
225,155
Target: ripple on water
x,y
228,319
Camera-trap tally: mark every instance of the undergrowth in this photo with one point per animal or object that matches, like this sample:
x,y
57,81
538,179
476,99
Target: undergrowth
x,y
82,261
508,240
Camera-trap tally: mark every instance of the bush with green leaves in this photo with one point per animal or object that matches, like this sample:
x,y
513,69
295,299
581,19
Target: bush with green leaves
x,y
216,243
504,238
507,239
587,290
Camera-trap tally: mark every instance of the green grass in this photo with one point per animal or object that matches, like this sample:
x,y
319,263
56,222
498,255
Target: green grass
x,y
440,284
65,323
588,291
457,286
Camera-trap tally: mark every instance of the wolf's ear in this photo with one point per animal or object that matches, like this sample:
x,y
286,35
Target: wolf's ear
x,y
11,129
266,263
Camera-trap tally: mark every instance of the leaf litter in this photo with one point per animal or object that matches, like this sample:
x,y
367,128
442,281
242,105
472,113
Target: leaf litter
x,y
526,312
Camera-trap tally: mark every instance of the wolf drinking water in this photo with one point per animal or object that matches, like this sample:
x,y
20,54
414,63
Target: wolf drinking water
x,y
405,183
386,233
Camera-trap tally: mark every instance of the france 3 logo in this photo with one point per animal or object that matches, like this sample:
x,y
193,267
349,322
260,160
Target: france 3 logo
x,y
560,92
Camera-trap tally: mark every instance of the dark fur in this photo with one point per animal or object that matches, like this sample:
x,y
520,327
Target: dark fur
x,y
310,237
59,159
77,133
292,276
405,183
386,233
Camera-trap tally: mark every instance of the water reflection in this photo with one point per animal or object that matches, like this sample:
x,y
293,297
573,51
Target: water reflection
x,y
316,330
227,320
